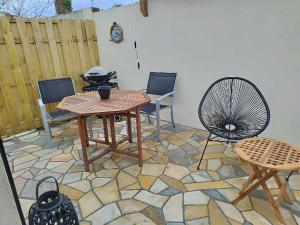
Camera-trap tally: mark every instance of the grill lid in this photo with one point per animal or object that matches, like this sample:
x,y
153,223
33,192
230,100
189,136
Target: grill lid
x,y
96,71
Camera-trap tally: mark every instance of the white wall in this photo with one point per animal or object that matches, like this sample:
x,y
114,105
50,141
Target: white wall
x,y
203,40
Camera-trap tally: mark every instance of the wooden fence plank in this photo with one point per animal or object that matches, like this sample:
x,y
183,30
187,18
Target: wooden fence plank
x,y
53,49
75,66
9,120
33,49
28,58
17,72
40,48
10,106
3,111
95,44
82,56
79,69
89,35
65,46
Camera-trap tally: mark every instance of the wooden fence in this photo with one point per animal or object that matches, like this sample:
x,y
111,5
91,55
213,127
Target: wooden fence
x,y
39,49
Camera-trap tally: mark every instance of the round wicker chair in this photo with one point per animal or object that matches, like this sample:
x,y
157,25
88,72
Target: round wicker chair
x,y
233,108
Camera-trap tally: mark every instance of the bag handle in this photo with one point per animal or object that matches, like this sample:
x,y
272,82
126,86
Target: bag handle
x,y
41,181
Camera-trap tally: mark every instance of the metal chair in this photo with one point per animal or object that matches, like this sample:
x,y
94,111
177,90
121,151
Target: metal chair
x,y
233,108
161,84
52,91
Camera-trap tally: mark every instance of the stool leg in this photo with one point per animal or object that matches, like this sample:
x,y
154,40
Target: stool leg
x,y
283,189
250,179
269,195
282,194
244,193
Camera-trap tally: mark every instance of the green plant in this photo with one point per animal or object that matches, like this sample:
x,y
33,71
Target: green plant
x,y
68,5
63,6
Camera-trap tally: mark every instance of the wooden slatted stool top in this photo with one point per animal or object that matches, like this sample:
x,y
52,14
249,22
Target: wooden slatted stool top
x,y
90,103
269,153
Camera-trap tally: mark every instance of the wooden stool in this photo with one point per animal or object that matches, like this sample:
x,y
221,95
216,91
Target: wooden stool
x,y
267,157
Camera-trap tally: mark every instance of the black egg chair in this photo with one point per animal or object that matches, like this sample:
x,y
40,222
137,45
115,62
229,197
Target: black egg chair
x,y
233,108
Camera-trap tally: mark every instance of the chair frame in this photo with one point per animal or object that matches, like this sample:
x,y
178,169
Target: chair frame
x,y
169,95
158,109
45,116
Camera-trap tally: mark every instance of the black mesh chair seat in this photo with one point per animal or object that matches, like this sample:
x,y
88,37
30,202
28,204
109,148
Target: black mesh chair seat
x,y
233,108
160,83
55,90
237,130
151,107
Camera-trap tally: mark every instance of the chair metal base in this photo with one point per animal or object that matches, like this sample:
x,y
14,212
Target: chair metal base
x,y
210,139
198,167
157,114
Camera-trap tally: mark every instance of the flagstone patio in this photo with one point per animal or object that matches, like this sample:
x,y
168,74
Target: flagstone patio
x,y
166,190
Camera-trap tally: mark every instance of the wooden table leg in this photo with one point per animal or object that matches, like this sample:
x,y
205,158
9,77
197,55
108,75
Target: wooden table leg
x,y
129,128
139,134
105,128
113,133
83,135
85,132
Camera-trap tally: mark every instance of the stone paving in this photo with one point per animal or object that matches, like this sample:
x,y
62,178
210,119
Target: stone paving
x,y
167,190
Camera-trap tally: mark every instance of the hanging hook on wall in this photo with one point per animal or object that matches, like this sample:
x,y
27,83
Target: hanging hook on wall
x,y
137,55
134,35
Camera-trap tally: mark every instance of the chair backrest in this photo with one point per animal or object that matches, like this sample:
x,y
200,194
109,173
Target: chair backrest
x,y
234,108
161,83
55,90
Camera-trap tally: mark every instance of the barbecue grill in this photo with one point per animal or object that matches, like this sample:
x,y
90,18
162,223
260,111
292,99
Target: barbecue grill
x,y
98,76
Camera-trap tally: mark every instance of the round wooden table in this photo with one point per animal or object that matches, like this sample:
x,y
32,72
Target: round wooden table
x,y
120,103
267,157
